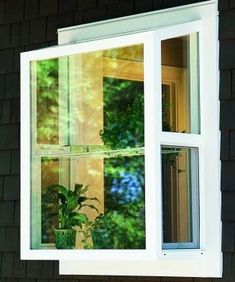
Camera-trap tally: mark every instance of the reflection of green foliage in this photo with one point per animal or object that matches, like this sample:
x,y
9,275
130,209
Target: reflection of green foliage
x,y
47,101
49,215
170,155
49,199
121,229
122,226
118,170
123,114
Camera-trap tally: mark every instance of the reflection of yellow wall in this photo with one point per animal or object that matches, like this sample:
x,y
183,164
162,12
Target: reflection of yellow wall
x,y
89,171
175,76
86,98
174,52
183,196
87,121
176,79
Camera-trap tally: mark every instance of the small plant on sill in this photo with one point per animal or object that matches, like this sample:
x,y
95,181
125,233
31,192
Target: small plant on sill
x,y
70,214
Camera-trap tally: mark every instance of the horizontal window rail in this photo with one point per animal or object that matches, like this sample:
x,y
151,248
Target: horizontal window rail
x,y
97,151
91,151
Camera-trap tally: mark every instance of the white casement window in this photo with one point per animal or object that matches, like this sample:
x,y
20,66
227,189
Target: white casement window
x,y
120,147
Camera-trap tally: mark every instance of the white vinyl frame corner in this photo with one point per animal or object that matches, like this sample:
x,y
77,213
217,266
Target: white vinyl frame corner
x,y
150,28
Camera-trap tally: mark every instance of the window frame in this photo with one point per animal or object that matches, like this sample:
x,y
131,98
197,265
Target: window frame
x,y
156,260
172,139
61,51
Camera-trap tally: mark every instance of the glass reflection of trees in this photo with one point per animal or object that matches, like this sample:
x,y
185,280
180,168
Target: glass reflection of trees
x,y
47,102
123,114
123,223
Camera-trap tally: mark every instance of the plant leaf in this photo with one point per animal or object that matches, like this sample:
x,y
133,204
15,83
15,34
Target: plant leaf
x,y
81,217
91,207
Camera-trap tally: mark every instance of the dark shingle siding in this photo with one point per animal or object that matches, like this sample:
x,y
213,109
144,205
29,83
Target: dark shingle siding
x,y
7,265
32,24
227,114
38,30
19,267
223,4
93,15
1,188
2,10
229,267
34,269
7,213
228,207
24,32
88,4
5,33
5,111
15,34
12,85
67,6
228,237
5,162
6,61
48,7
2,86
32,8
14,10
9,136
225,145
228,176
226,84
11,187
143,6
121,9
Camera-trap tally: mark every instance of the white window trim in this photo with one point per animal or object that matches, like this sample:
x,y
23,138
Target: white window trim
x,y
55,52
203,262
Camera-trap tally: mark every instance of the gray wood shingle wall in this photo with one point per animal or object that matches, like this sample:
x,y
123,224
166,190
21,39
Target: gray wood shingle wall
x,y
32,24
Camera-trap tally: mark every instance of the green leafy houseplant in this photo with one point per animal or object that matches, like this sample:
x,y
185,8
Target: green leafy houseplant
x,y
120,229
70,214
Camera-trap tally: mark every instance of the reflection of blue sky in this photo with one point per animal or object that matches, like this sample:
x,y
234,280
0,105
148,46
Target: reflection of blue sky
x,y
127,187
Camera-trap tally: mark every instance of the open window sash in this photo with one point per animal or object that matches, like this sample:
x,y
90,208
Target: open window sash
x,y
60,146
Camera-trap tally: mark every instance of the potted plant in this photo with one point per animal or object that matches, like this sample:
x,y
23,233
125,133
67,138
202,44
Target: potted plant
x,y
120,229
70,214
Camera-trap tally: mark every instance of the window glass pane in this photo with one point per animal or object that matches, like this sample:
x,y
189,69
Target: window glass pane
x,y
107,87
45,86
180,197
49,210
87,157
113,209
123,113
180,85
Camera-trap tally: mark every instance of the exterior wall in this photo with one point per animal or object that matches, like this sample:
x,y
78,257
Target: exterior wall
x,y
227,125
32,24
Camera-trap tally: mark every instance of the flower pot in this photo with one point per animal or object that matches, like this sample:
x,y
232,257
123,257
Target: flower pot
x,y
101,239
65,238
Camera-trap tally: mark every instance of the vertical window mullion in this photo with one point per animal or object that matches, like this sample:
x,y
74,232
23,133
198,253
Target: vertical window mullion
x,y
63,87
152,78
